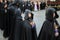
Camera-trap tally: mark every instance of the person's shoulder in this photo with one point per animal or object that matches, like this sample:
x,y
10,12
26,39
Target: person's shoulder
x,y
24,22
46,21
46,24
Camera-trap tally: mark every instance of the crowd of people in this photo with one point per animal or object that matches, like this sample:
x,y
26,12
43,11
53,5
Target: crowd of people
x,y
15,28
33,6
12,24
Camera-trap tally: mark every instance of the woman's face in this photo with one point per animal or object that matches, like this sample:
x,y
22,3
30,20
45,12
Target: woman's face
x,y
29,15
5,1
53,15
1,1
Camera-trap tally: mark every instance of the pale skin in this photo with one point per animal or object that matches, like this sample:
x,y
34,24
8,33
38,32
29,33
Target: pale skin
x,y
29,15
1,0
53,15
32,23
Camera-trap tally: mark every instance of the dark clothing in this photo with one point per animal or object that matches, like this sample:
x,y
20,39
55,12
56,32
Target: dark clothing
x,y
42,5
48,30
34,33
22,6
2,12
30,29
23,30
10,21
15,30
28,6
5,19
18,30
29,33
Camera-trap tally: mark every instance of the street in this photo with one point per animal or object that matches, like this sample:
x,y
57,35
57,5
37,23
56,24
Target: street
x,y
39,17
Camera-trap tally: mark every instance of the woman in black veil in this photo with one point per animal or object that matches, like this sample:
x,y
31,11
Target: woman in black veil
x,y
29,26
50,27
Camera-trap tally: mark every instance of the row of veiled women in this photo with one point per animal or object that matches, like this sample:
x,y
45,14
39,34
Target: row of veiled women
x,y
17,29
14,27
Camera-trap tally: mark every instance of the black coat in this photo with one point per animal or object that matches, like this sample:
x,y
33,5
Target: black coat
x,y
2,12
23,31
10,21
48,31
29,32
15,31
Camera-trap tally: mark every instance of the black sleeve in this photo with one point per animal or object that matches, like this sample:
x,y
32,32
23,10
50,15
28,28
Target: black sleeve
x,y
34,33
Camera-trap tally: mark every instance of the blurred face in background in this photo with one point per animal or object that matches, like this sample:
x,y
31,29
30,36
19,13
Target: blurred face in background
x,y
5,1
1,0
5,6
53,15
10,0
29,15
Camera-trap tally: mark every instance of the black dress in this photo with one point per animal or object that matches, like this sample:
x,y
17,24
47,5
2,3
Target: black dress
x,y
23,30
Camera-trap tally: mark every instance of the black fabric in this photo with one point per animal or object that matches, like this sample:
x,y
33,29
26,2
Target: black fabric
x,y
29,33
23,30
48,31
42,5
2,12
34,34
10,21
15,30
